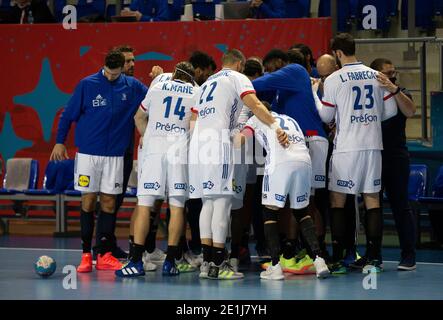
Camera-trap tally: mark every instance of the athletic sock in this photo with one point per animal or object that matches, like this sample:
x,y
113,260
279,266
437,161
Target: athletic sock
x,y
87,229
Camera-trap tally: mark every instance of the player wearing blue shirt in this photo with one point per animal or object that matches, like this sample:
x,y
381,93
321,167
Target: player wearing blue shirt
x,y
103,106
267,9
148,10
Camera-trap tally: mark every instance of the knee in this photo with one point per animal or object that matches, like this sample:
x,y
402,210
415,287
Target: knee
x,y
89,202
107,203
270,214
300,214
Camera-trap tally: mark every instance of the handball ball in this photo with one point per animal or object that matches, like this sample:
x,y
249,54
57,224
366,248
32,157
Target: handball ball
x,y
45,266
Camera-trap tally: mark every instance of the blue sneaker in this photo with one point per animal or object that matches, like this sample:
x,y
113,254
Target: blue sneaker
x,y
351,257
131,269
170,269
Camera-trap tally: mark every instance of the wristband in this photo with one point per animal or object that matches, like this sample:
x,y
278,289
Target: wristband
x,y
397,91
274,126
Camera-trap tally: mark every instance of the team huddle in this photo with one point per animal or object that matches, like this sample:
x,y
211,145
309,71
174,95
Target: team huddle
x,y
202,139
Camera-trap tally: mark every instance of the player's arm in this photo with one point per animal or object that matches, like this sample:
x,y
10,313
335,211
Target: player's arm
x,y
327,108
319,106
71,113
141,121
260,111
245,133
282,79
193,119
389,106
404,103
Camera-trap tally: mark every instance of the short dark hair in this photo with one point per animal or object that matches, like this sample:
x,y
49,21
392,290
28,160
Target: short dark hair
x,y
344,42
200,60
184,71
305,50
295,55
253,68
125,48
275,54
114,59
232,56
378,63
213,65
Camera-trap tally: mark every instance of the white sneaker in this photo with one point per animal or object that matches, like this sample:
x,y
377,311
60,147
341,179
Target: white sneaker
x,y
234,263
321,269
273,273
193,260
223,272
157,256
204,269
147,263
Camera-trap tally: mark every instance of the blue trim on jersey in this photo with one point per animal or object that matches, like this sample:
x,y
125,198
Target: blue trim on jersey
x,y
352,64
231,117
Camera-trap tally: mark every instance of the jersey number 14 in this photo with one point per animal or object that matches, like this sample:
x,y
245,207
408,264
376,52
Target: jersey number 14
x,y
179,109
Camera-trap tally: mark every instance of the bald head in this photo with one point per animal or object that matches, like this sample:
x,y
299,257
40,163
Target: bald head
x,y
326,65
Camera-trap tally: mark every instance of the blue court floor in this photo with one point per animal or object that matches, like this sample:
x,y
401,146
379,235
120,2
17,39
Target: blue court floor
x,y
18,280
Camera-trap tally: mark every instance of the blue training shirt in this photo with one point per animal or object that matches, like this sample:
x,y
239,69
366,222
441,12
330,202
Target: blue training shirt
x,y
293,97
104,112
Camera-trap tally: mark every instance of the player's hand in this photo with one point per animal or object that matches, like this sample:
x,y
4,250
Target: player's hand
x,y
315,83
138,15
282,137
156,70
127,13
256,3
59,153
386,83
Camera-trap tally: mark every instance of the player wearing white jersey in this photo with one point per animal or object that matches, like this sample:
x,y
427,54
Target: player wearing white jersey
x,y
353,96
218,107
287,177
163,120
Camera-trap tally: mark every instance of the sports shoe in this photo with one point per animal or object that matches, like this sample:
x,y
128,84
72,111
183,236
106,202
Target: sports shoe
x,y
360,263
234,262
286,263
157,256
108,262
338,268
85,263
193,259
204,269
131,270
184,266
119,253
321,269
373,266
273,273
170,269
407,263
223,272
147,264
303,266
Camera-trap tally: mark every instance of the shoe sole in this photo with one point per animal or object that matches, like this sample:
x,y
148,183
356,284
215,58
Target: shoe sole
x,y
400,268
277,279
150,270
323,274
84,271
130,275
203,275
304,270
107,268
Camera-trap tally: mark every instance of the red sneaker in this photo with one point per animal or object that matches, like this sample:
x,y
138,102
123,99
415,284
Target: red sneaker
x,y
108,262
86,263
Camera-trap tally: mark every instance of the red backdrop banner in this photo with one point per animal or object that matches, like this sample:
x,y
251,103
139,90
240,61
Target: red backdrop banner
x,y
41,64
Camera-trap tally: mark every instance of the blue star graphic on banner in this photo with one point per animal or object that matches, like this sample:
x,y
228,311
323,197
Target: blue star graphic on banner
x,y
46,99
10,143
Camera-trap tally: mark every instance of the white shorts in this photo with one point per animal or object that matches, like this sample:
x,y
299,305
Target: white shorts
x,y
98,174
160,178
355,172
291,179
318,150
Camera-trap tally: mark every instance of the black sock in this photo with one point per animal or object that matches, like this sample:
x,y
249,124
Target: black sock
x,y
288,249
218,255
131,244
172,254
152,234
245,238
374,233
183,245
307,228
322,243
137,252
87,229
105,222
207,253
272,241
338,227
235,250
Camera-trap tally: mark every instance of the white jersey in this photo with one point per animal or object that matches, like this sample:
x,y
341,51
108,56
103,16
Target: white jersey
x,y
220,103
354,96
161,78
275,153
168,107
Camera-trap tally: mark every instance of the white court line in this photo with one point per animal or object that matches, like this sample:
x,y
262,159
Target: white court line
x,y
78,250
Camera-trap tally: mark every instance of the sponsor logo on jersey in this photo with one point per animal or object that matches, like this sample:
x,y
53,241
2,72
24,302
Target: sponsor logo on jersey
x,y
124,98
377,182
191,188
302,198
180,186
99,101
169,127
347,184
117,185
319,178
264,196
365,119
152,185
208,185
206,112
293,138
83,181
279,197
